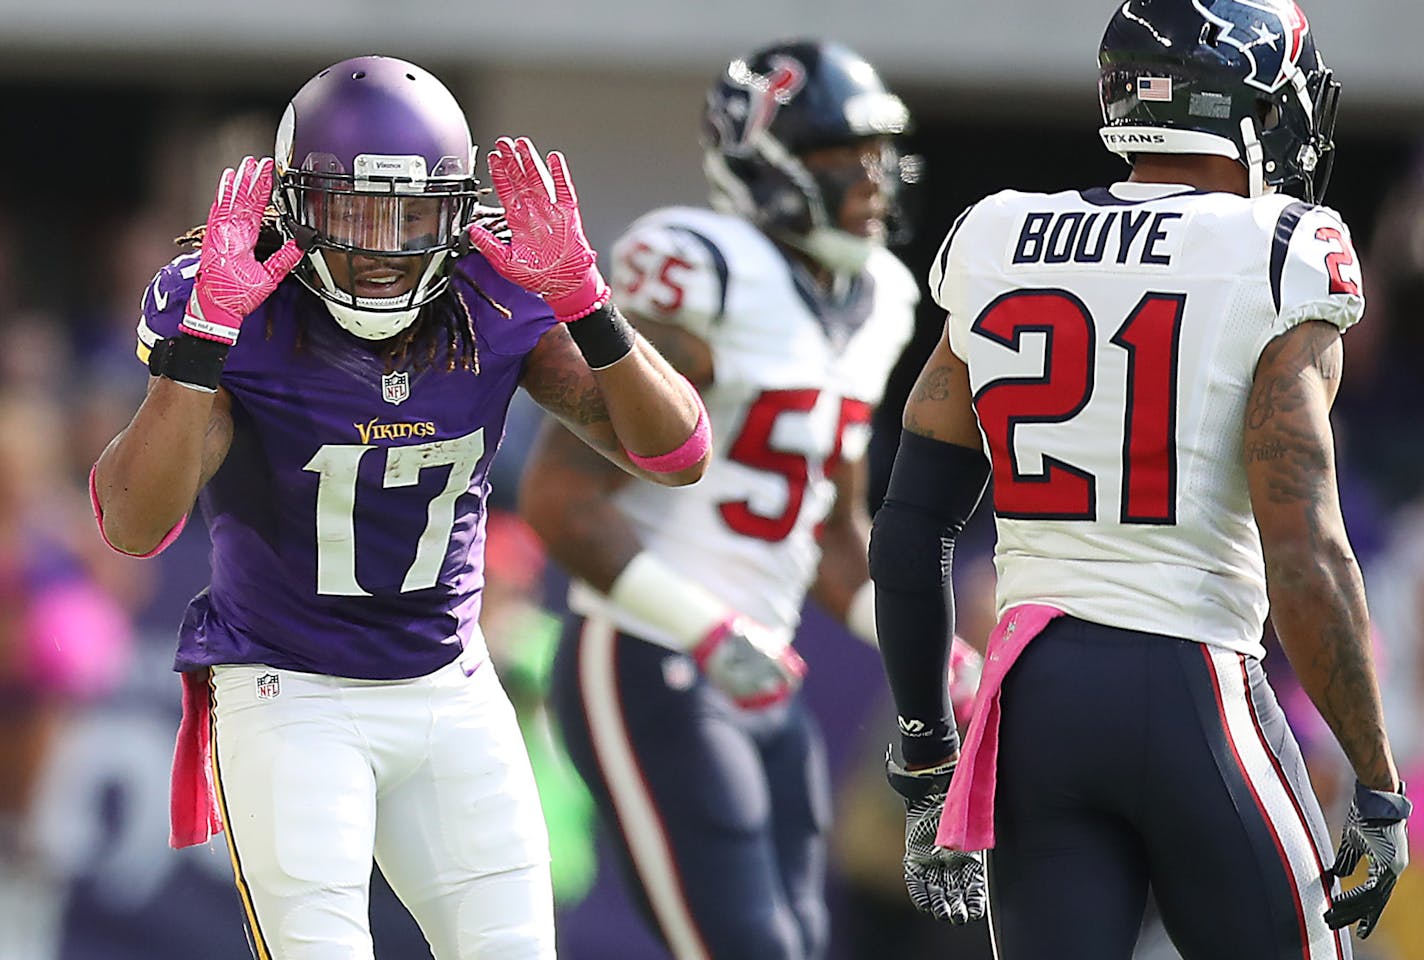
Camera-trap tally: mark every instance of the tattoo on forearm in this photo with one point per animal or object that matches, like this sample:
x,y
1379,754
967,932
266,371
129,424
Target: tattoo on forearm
x,y
1263,451
1317,593
559,381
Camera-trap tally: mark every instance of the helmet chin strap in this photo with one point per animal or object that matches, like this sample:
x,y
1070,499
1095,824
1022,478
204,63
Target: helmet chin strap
x,y
377,324
1255,157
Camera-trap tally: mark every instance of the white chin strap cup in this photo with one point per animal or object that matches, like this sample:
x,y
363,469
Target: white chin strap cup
x,y
1255,159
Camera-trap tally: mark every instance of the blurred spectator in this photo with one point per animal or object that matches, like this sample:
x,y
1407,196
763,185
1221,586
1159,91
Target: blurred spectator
x,y
63,643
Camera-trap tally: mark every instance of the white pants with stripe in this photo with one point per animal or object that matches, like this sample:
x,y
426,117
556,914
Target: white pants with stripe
x,y
319,775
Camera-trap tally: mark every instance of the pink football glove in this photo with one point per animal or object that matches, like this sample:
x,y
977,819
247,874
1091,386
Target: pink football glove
x,y
752,665
547,251
231,283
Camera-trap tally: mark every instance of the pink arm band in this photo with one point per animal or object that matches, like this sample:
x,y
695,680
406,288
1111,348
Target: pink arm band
x,y
163,544
693,449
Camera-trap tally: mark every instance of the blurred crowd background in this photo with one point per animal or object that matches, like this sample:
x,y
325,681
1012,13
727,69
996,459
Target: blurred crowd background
x,y
119,118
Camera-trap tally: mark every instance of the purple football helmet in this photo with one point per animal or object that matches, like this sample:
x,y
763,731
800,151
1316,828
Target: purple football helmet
x,y
375,165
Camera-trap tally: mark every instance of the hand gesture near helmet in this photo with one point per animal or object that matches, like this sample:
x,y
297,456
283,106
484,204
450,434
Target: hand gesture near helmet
x,y
231,282
547,252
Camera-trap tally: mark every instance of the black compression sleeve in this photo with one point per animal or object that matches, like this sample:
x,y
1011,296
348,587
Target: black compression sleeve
x,y
934,487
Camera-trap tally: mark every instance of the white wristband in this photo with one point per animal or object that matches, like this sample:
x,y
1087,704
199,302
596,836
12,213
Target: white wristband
x,y
193,319
661,597
860,615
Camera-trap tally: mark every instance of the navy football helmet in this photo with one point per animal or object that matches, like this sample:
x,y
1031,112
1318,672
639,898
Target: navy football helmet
x,y
771,107
374,161
1232,78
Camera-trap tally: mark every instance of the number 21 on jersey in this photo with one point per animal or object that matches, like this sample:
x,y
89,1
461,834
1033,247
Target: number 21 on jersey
x,y
1150,336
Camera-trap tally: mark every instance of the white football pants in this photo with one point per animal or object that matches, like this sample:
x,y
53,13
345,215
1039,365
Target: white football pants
x,y
317,775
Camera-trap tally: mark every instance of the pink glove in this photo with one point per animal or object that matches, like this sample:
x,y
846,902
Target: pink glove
x,y
231,283
547,251
755,667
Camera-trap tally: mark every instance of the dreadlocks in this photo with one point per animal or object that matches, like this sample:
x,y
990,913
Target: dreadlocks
x,y
446,320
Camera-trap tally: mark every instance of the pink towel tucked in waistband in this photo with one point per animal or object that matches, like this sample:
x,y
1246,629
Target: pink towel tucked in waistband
x,y
192,800
967,822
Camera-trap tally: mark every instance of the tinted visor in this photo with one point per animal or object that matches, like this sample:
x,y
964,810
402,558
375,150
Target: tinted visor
x,y
382,216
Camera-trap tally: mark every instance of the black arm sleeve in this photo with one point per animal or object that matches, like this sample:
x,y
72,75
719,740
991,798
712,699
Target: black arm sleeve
x,y
934,487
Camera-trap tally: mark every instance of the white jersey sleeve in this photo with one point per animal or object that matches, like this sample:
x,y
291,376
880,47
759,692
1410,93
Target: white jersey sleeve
x,y
796,377
669,271
1315,274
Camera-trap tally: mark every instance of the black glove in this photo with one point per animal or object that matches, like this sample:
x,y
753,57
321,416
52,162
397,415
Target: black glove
x,y
947,884
1374,828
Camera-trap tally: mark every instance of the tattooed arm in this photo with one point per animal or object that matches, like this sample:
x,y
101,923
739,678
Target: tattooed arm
x,y
638,403
1316,591
941,405
149,475
566,490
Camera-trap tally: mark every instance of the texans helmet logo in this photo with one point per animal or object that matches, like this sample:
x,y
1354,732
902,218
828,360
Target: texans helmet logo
x,y
1269,33
766,93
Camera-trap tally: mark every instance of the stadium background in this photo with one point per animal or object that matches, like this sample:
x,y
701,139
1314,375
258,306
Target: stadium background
x,y
118,117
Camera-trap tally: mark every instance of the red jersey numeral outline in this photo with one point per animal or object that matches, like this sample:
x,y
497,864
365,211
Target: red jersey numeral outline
x,y
1342,256
1151,335
753,448
672,293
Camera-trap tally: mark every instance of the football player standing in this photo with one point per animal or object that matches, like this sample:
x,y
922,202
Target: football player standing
x,y
676,683
339,449
1149,369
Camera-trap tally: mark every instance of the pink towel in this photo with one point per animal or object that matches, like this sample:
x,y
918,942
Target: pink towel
x,y
193,802
967,822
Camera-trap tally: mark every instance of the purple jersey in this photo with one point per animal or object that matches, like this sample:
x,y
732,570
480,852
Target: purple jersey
x,y
348,519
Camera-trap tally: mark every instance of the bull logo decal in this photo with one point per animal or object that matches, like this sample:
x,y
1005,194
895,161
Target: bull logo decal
x,y
1269,33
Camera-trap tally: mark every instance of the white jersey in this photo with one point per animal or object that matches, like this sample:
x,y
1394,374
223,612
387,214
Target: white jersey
x,y
794,384
1111,337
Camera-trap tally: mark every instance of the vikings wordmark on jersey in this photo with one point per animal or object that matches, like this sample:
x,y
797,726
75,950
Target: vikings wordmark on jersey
x,y
360,491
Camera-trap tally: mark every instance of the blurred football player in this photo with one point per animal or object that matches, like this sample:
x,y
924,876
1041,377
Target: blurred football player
x,y
1149,369
676,682
339,450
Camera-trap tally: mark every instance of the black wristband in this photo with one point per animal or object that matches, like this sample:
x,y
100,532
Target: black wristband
x,y
603,337
190,360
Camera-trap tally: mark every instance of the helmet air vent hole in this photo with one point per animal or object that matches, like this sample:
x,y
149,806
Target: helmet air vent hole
x,y
410,76
359,75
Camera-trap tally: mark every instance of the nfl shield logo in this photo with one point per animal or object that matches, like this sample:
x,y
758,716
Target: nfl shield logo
x,y
395,387
268,686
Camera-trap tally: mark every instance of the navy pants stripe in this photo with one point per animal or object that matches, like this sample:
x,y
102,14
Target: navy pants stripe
x,y
720,814
1129,759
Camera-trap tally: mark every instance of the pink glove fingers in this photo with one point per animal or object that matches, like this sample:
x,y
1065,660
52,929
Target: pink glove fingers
x,y
221,201
564,193
501,175
231,283
257,188
535,171
547,251
281,263
492,247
